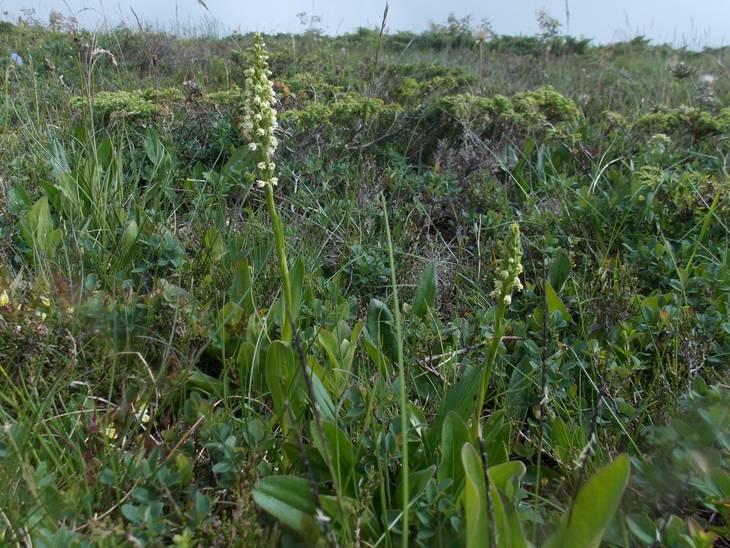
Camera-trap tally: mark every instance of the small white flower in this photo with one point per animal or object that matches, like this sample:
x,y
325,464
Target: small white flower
x,y
253,146
260,183
507,300
261,166
274,181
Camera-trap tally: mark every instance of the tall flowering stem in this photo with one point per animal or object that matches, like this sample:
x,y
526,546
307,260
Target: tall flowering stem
x,y
258,126
509,268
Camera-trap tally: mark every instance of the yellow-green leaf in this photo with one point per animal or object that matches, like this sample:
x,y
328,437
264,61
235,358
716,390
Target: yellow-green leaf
x,y
475,499
594,507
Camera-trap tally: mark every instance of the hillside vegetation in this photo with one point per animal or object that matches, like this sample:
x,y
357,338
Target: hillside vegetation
x,y
437,289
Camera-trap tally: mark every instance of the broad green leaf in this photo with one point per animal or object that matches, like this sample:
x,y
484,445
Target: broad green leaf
x,y
459,399
297,278
504,484
507,524
336,447
324,402
642,527
340,354
566,438
426,291
381,330
475,499
554,303
594,507
331,347
18,200
214,245
348,347
132,513
519,392
374,352
129,237
246,360
454,435
230,315
204,382
241,289
283,383
288,499
559,271
36,228
501,475
497,432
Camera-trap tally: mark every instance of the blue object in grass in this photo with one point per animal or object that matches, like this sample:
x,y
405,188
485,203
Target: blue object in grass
x,y
16,59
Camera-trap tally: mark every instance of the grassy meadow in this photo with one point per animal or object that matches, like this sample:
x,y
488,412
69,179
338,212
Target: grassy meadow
x,y
377,289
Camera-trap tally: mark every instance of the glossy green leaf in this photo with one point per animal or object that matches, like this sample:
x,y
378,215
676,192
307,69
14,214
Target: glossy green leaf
x,y
18,200
559,271
497,433
475,499
282,381
214,244
426,291
324,402
594,507
297,279
338,449
129,237
331,347
501,475
459,399
554,303
288,499
380,328
504,484
507,524
454,435
37,230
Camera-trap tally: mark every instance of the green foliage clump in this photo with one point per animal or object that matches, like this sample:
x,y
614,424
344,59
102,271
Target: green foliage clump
x,y
409,85
427,71
109,105
543,113
163,95
687,122
227,98
348,119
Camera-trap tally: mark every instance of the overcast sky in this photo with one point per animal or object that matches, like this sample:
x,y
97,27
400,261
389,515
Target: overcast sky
x,y
682,22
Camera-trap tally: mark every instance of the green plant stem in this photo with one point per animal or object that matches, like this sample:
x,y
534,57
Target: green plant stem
x,y
401,379
278,228
489,367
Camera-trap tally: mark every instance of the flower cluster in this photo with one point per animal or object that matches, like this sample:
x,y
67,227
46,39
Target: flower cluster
x,y
509,268
258,123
